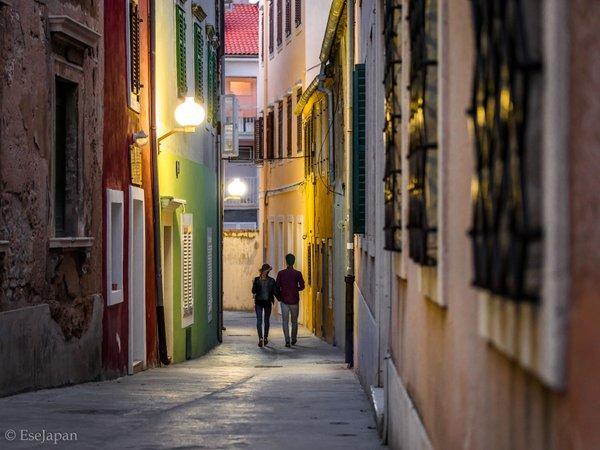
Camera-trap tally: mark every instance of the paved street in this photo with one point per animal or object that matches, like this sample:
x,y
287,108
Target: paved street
x,y
237,396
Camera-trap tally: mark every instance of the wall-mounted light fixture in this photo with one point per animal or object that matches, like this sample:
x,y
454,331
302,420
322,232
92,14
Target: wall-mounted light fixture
x,y
188,115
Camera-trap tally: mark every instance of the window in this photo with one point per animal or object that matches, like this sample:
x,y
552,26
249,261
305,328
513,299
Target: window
x,y
298,124
393,157
271,25
270,135
308,135
422,148
289,125
212,103
506,233
133,50
187,270
359,143
280,129
298,12
180,28
279,22
245,154
288,17
198,63
66,159
114,247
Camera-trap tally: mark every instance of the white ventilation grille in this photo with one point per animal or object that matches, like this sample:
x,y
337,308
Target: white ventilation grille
x,y
209,273
187,270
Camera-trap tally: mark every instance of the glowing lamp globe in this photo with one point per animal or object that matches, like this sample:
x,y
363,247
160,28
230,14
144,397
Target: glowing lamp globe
x,y
189,113
237,188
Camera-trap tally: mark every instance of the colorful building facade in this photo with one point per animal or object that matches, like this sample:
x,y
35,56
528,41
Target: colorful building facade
x,y
188,45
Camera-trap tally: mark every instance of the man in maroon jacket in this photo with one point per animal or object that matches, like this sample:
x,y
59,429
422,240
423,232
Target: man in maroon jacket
x,y
290,283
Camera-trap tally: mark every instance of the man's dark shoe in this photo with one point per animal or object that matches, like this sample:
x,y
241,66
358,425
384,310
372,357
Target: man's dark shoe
x,y
287,344
266,341
294,342
260,343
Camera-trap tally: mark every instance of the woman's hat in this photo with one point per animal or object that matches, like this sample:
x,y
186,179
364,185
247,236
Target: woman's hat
x,y
265,267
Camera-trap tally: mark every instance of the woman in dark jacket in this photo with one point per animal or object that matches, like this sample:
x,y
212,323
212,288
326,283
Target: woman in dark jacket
x,y
265,290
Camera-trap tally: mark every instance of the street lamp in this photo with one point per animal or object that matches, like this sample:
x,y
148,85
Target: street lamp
x,y
188,115
236,189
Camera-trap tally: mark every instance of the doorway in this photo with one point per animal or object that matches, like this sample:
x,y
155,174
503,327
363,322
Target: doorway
x,y
137,282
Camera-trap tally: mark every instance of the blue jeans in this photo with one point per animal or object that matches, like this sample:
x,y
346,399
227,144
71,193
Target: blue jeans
x,y
262,308
286,311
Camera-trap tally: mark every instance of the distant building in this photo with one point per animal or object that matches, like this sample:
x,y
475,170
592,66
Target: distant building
x,y
241,71
50,189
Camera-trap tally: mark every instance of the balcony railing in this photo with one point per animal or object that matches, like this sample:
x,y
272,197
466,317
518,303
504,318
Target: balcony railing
x,y
246,126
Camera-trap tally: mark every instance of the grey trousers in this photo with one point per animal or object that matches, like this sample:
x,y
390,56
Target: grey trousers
x,y
286,311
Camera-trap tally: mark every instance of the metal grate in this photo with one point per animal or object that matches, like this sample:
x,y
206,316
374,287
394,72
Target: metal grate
x,y
298,12
393,93
506,233
422,149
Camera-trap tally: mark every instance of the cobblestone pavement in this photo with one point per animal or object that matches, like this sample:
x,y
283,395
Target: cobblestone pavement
x,y
237,396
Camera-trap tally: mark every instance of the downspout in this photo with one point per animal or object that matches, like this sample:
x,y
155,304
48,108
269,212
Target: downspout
x,y
160,309
348,188
321,88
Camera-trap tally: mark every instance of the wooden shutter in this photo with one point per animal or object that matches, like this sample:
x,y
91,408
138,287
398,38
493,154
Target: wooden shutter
x,y
270,135
298,12
187,269
134,49
280,129
271,25
358,167
298,124
279,22
180,51
289,125
198,63
258,138
288,17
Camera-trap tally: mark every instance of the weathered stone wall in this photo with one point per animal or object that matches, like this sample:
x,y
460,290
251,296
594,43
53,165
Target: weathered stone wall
x,y
32,271
242,257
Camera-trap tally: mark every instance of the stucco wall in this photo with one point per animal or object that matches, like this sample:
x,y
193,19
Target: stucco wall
x,y
243,257
31,272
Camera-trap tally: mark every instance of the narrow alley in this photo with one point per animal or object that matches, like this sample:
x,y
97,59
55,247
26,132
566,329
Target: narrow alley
x,y
237,396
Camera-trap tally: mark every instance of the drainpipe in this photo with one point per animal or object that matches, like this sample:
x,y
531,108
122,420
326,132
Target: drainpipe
x,y
321,88
349,278
160,309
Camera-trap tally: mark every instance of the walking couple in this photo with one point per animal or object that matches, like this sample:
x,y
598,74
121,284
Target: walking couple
x,y
285,289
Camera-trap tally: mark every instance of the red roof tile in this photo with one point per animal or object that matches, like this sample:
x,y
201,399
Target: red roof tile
x,y
241,30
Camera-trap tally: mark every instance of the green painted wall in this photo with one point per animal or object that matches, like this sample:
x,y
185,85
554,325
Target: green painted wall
x,y
197,185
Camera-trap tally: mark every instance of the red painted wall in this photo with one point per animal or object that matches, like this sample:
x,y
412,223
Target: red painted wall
x,y
120,122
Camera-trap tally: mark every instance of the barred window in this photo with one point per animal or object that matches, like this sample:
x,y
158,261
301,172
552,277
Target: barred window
x,y
298,12
279,22
180,27
298,124
506,233
271,25
135,84
393,93
422,149
288,17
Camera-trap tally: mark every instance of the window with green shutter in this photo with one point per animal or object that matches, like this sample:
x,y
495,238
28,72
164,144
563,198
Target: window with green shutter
x,y
198,63
359,143
212,102
180,51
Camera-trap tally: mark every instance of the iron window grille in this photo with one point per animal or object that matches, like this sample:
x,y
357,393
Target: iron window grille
x,y
298,124
199,63
271,25
393,116
134,50
288,17
298,13
279,22
422,129
180,27
506,232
